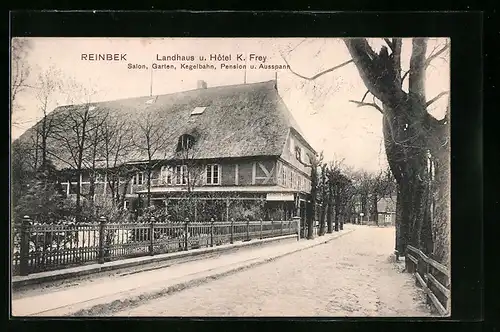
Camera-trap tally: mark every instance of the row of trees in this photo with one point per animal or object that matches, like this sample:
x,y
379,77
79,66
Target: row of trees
x,y
341,194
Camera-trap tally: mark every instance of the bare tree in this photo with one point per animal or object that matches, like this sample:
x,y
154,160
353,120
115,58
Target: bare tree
x,y
315,164
91,158
48,84
411,134
72,131
324,190
151,141
118,143
336,182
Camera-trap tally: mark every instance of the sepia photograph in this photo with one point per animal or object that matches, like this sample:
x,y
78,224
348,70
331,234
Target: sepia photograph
x,y
230,177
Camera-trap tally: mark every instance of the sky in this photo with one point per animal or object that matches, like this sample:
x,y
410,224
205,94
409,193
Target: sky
x,y
330,123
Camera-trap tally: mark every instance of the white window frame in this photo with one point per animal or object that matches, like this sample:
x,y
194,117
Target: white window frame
x,y
167,175
180,175
298,153
210,180
136,177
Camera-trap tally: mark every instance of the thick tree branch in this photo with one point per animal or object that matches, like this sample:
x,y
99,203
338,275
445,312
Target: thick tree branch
x,y
378,72
312,78
427,104
417,69
396,51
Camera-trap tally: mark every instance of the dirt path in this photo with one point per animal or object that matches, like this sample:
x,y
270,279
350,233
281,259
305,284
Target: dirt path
x,y
351,276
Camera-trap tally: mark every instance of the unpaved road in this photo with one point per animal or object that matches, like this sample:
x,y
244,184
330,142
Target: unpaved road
x,y
354,275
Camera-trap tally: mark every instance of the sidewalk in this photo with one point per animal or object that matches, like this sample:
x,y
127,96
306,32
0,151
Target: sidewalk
x,y
84,270
129,290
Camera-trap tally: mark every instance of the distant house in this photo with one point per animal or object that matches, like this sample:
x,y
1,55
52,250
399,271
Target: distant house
x,y
386,208
225,143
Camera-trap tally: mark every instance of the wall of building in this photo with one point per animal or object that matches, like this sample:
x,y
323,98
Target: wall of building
x,y
261,171
289,153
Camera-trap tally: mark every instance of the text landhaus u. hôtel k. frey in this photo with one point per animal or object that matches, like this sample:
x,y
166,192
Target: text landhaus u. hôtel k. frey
x,y
189,62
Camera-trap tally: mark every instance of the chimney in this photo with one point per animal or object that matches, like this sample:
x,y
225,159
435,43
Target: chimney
x,y
202,84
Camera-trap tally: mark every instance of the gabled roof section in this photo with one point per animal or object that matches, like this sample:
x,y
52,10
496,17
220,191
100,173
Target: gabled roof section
x,y
237,121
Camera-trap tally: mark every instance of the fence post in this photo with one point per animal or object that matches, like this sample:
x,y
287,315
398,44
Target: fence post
x,y
281,227
232,231
272,227
407,260
25,246
417,270
152,236
186,222
248,229
427,282
296,219
102,224
212,232
261,228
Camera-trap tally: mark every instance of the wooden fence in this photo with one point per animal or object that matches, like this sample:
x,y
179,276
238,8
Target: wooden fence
x,y
432,276
45,247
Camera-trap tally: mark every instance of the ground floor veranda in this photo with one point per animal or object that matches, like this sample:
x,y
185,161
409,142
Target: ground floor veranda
x,y
225,203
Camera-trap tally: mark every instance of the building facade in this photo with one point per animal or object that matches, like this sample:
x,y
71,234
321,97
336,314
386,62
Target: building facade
x,y
224,144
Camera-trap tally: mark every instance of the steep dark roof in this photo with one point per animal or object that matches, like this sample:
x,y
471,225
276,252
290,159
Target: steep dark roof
x,y
239,120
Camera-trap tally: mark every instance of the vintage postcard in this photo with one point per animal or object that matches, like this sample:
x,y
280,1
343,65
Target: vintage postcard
x,y
230,177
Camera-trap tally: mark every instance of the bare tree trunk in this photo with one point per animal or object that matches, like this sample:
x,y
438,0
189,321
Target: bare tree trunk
x,y
330,208
149,184
324,213
441,194
337,207
374,207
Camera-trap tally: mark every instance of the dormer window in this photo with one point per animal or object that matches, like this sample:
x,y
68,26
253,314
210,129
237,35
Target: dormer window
x,y
298,153
138,179
186,142
198,110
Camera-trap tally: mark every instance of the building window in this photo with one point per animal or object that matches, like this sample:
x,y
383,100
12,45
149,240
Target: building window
x,y
198,110
138,179
291,179
166,174
186,142
213,174
181,174
126,205
298,153
284,176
